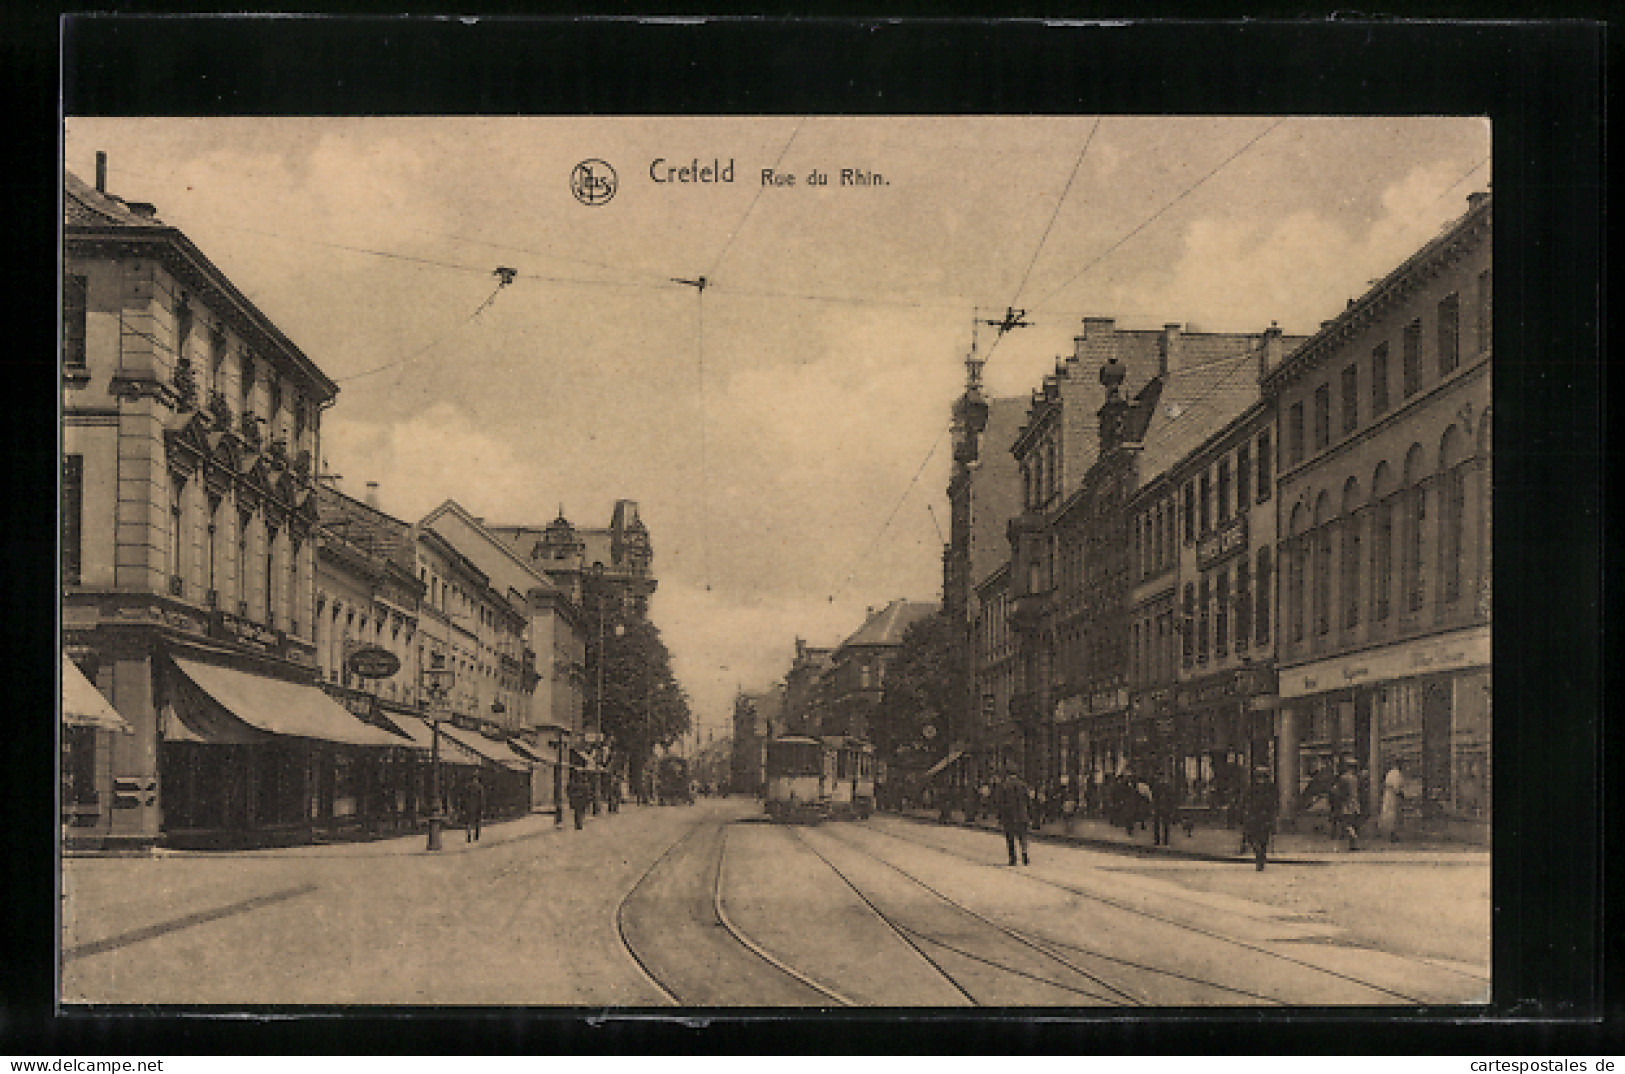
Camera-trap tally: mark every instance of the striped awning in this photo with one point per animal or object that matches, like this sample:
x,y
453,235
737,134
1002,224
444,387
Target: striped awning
x,y
217,704
953,756
85,706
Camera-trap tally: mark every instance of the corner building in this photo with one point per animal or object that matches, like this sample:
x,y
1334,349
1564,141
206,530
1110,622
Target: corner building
x,y
190,428
1383,632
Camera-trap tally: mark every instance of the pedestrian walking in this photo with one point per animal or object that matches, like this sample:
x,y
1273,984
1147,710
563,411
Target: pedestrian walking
x,y
1344,800
473,808
580,799
1164,806
1015,810
1260,803
1393,790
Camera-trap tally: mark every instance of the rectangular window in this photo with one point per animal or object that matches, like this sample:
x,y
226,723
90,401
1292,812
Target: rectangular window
x,y
1294,434
1484,330
1190,513
1449,334
1265,485
1351,398
1382,561
1379,380
1207,502
1351,571
75,291
1244,488
1411,358
1244,604
1221,615
1224,491
1262,617
1323,416
73,506
1189,633
1204,598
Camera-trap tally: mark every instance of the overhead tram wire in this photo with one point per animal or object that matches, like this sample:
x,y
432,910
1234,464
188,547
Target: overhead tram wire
x,y
699,285
505,276
1011,320
887,524
1148,221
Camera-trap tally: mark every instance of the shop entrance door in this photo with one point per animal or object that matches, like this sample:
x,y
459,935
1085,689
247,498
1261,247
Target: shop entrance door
x,y
1436,709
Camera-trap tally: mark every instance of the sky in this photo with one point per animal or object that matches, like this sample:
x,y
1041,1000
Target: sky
x,y
783,429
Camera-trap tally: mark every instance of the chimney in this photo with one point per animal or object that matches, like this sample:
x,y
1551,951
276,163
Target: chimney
x,y
1098,344
1168,349
1477,198
1269,356
101,172
371,498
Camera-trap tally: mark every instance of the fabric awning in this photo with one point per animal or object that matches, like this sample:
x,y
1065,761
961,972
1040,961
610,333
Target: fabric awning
x,y
490,749
225,705
421,733
582,763
85,706
953,756
536,754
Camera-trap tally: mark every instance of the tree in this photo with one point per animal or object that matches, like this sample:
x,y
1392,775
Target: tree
x,y
643,705
922,684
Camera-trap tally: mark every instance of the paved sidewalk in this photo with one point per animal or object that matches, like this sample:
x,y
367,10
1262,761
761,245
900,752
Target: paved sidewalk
x,y
1223,844
453,839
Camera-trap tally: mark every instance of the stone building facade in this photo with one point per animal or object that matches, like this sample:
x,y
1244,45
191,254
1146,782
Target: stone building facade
x,y
1384,508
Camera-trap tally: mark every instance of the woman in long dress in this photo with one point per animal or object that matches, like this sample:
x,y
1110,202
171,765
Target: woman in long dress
x,y
1393,789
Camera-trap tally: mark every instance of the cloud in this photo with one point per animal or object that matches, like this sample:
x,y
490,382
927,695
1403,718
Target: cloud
x,y
441,453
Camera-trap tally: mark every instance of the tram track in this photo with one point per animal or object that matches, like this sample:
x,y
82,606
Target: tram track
x,y
1126,908
675,926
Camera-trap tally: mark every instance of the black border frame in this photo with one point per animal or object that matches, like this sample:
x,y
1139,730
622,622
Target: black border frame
x,y
1542,84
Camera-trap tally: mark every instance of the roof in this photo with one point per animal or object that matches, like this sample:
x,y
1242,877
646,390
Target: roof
x,y
494,557
85,206
1192,405
91,217
365,526
886,626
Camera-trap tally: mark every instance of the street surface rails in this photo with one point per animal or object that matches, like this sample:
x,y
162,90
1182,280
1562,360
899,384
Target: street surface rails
x,y
712,906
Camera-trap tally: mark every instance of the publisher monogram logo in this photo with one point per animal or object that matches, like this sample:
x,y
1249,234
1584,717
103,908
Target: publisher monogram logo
x,y
593,182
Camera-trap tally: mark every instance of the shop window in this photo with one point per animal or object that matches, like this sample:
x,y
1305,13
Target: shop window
x,y
1411,358
1449,334
1379,380
73,506
75,290
1265,486
79,766
1323,416
1244,488
1266,574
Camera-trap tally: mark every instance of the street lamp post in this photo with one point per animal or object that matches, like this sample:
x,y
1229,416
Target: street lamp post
x,y
437,683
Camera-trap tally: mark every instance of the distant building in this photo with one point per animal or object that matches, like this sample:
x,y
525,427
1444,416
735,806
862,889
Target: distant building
x,y
621,554
853,683
803,695
757,718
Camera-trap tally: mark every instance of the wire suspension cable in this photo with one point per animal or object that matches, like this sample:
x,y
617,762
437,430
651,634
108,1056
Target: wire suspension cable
x,y
481,308
895,508
1057,212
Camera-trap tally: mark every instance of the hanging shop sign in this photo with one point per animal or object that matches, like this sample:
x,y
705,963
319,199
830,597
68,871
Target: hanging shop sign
x,y
373,662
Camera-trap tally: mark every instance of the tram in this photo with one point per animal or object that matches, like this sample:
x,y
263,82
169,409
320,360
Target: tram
x,y
672,783
811,779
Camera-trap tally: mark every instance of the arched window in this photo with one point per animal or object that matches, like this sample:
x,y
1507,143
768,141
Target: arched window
x,y
1323,564
1452,512
243,520
1382,540
1411,580
1353,521
270,577
177,540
